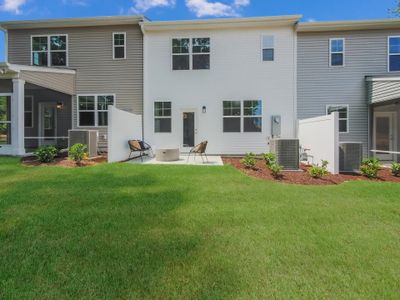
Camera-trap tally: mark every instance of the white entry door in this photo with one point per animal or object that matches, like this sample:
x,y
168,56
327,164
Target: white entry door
x,y
384,135
47,124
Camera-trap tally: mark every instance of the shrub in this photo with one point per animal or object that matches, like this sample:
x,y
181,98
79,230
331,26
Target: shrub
x,y
275,169
396,169
319,171
78,152
370,167
46,154
270,158
249,161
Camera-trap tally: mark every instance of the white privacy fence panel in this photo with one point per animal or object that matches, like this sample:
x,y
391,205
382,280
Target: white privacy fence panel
x,y
122,127
321,136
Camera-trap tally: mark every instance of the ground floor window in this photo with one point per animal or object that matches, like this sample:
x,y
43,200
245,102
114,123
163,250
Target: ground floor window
x,y
93,110
343,111
242,116
162,117
5,120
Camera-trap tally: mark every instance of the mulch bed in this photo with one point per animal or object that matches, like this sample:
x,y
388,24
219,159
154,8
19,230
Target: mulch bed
x,y
32,161
302,177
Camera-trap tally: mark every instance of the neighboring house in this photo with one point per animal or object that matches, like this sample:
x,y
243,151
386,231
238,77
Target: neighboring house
x,y
62,74
353,67
219,80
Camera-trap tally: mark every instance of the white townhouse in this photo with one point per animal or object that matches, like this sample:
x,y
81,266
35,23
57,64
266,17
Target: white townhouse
x,y
222,80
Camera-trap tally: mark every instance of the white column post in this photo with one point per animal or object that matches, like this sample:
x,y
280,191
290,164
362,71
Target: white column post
x,y
17,117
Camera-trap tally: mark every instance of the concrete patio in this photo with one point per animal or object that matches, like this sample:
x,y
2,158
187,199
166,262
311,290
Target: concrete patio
x,y
183,160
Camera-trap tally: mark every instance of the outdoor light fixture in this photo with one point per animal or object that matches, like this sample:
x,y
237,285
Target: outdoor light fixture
x,y
204,109
60,105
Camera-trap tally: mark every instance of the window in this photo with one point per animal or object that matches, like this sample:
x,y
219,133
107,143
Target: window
x,y
5,120
251,118
191,54
268,52
49,50
343,111
232,116
162,117
336,52
394,53
28,112
93,110
119,45
201,53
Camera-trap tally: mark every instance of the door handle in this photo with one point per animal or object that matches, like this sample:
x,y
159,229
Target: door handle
x,y
195,131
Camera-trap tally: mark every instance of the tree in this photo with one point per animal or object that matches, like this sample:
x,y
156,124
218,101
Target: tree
x,y
396,10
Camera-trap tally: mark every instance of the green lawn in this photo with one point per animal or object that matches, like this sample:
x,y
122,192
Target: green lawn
x,y
167,232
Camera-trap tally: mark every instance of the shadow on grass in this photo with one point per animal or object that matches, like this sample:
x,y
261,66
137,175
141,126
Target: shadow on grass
x,y
99,234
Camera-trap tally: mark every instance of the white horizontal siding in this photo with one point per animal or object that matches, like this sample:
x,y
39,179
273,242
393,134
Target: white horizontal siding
x,y
237,73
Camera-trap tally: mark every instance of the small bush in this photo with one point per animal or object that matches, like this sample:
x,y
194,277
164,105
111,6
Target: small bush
x,y
78,152
275,169
319,171
370,167
396,169
270,158
46,154
249,161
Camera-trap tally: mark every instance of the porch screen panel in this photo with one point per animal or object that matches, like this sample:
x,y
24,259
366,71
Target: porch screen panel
x,y
5,120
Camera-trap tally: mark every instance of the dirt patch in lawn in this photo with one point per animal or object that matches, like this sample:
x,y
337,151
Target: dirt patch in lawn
x,y
64,162
302,176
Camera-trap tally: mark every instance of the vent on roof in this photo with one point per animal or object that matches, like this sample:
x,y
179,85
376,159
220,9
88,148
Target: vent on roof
x,y
86,137
350,156
287,153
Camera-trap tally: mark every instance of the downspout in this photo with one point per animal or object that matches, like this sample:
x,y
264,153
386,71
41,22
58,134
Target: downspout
x,y
141,24
296,121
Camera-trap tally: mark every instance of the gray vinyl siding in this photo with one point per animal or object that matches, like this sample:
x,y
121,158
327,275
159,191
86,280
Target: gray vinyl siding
x,y
320,85
381,91
64,83
91,55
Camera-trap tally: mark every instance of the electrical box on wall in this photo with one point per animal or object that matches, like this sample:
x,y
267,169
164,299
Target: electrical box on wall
x,y
276,126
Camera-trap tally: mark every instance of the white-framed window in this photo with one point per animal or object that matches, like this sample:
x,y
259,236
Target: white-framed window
x,y
242,116
336,52
393,53
49,50
191,53
252,118
28,111
93,109
162,117
119,45
5,119
268,48
343,111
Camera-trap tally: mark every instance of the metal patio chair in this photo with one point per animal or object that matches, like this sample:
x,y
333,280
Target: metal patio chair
x,y
199,149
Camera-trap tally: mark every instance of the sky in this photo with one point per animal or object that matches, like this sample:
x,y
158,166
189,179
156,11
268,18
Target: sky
x,y
312,10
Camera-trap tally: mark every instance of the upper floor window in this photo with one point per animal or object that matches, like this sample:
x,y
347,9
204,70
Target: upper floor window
x,y
394,53
336,52
268,49
343,111
190,54
242,114
50,50
119,45
93,109
162,117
